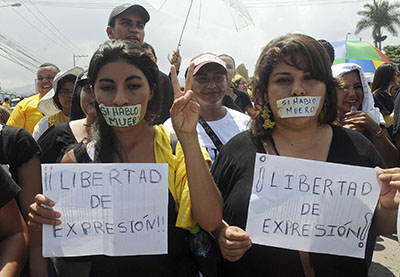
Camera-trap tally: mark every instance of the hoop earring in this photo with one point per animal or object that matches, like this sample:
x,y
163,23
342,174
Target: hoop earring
x,y
266,115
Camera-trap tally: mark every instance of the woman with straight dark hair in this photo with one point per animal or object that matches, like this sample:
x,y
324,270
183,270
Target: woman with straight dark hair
x,y
293,66
385,87
122,75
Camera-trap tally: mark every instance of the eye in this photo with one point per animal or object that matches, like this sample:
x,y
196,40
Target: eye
x,y
107,87
202,80
357,86
134,86
309,76
283,80
140,25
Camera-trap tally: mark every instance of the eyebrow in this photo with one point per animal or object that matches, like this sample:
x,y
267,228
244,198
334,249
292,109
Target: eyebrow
x,y
281,73
133,77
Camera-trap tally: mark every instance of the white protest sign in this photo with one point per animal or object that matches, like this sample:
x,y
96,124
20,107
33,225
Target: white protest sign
x,y
312,206
298,106
110,209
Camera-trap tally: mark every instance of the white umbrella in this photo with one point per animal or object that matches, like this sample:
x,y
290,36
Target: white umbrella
x,y
236,10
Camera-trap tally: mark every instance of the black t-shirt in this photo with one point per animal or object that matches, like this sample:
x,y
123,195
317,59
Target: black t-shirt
x,y
9,189
167,99
178,261
17,146
241,101
396,123
233,173
55,142
384,102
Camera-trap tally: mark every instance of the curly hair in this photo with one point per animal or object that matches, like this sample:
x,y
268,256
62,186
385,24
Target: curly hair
x,y
302,52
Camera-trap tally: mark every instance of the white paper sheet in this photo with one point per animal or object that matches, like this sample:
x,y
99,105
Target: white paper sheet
x,y
111,209
312,206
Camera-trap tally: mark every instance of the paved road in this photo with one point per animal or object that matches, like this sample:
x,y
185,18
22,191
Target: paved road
x,y
386,260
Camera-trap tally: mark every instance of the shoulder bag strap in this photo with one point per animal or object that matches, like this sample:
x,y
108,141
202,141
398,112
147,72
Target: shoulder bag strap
x,y
217,142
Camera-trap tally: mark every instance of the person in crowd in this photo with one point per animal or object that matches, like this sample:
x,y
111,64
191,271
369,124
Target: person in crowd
x,y
127,22
13,232
57,140
21,154
4,115
290,66
217,124
240,83
329,49
60,137
6,103
385,86
122,75
26,113
356,109
234,97
57,102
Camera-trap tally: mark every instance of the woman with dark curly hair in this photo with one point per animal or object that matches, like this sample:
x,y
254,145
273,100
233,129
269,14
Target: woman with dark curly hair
x,y
291,68
124,78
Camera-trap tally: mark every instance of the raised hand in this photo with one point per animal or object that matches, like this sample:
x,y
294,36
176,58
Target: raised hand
x,y
185,110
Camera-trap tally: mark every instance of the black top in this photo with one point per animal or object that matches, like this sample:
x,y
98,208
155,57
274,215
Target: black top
x,y
396,123
240,102
384,102
233,173
9,189
167,99
17,146
55,142
178,261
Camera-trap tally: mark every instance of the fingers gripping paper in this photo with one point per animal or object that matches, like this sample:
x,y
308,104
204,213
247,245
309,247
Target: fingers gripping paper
x,y
298,106
111,209
312,206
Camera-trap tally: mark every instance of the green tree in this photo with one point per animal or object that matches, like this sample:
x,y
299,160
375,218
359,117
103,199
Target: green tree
x,y
393,53
379,15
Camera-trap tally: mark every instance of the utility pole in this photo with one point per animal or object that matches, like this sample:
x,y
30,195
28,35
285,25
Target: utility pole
x,y
76,57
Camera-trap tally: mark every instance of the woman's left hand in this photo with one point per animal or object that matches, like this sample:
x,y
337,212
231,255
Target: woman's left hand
x,y
359,120
390,192
185,110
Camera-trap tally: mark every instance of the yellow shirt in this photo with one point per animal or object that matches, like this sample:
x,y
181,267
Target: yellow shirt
x,y
5,105
59,117
26,114
177,181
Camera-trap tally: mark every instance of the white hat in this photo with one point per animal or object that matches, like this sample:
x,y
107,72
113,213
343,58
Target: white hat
x,y
47,105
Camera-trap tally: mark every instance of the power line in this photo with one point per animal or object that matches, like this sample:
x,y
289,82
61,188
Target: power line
x,y
55,28
40,31
20,48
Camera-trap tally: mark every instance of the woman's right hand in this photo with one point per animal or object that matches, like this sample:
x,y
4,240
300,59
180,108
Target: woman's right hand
x,y
41,212
233,242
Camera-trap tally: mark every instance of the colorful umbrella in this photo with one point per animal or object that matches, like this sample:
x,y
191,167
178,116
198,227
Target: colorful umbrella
x,y
360,52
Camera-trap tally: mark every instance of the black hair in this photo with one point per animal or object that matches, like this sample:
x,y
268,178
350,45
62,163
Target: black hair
x,y
329,49
75,111
50,64
112,51
6,99
146,45
383,76
302,52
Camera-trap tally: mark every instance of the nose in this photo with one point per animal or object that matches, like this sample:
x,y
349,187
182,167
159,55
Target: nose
x,y
133,28
121,97
297,89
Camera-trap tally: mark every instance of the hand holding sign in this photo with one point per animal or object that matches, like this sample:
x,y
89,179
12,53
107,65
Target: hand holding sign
x,y
185,110
233,242
390,192
41,212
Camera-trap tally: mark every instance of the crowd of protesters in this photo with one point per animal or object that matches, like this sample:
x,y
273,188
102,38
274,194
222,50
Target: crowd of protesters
x,y
208,133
